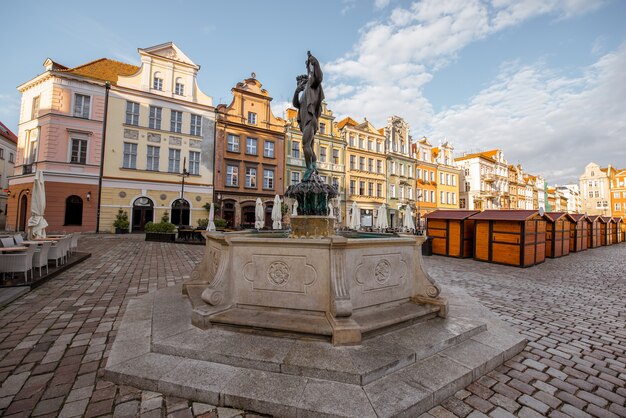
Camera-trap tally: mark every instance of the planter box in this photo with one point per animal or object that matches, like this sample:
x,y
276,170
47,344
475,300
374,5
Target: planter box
x,y
160,237
121,231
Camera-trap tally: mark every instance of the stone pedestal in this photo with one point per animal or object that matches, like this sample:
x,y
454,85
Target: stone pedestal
x,y
312,226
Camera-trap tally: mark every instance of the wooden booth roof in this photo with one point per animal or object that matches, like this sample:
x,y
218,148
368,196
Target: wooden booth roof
x,y
505,215
451,214
607,219
578,216
593,218
555,216
617,219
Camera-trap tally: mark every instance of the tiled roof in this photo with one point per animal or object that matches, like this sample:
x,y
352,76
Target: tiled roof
x,y
505,215
489,155
104,69
451,214
6,132
346,121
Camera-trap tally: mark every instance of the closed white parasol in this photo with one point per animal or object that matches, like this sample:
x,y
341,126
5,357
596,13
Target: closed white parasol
x,y
36,223
277,215
259,214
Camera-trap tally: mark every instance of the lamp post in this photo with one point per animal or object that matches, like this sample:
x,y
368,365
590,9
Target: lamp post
x,y
181,200
418,197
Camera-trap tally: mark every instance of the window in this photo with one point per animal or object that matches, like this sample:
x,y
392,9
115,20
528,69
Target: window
x,y
252,118
402,169
361,143
179,87
322,128
323,154
362,163
618,207
448,181
410,170
194,162
154,122
597,193
176,121
81,106
196,125
590,194
370,145
1,153
351,140
173,164
418,173
33,146
392,191
379,190
233,143
616,195
132,113
268,179
295,149
426,196
379,146
152,162
335,156
448,201
453,177
432,196
130,155
410,189
352,162
157,81
401,192
379,166
370,165
432,176
352,187
34,114
251,146
370,189
232,175
362,188
441,178
250,177
73,210
295,177
392,167
79,151
268,149
11,157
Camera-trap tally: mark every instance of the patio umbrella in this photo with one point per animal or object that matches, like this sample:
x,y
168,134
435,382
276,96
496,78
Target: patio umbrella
x,y
408,218
277,214
355,219
294,211
259,214
36,223
211,225
381,221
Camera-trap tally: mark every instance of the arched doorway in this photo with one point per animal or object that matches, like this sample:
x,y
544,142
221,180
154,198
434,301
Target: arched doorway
x,y
247,216
23,213
268,215
143,212
73,210
228,213
180,212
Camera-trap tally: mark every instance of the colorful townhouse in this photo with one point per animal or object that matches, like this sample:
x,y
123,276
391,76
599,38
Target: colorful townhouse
x,y
249,155
426,176
618,194
595,184
159,147
485,179
60,134
571,192
448,177
8,148
400,168
366,169
511,202
329,147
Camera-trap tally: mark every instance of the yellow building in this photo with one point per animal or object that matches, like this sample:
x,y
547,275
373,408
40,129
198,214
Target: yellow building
x,y
447,177
330,149
366,177
160,137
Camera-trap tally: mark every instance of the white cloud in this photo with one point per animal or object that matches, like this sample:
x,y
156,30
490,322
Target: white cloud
x,y
381,4
397,55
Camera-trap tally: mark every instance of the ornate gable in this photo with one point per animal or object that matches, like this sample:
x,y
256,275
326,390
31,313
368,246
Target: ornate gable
x,y
169,51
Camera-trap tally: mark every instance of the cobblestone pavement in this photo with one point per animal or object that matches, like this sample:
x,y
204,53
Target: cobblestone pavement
x,y
54,340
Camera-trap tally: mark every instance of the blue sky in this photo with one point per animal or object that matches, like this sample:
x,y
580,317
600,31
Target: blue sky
x,y
544,80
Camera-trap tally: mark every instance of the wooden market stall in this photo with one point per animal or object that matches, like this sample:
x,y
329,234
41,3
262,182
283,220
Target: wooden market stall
x,y
603,222
579,232
512,237
558,227
609,231
451,231
619,233
593,239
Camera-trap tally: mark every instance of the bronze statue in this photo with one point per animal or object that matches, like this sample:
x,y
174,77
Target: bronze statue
x,y
308,100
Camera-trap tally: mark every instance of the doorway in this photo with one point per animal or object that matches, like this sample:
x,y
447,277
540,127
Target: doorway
x,y
180,212
143,212
23,213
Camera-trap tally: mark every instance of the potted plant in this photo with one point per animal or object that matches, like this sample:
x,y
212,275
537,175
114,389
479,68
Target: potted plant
x,y
220,223
163,231
121,222
203,223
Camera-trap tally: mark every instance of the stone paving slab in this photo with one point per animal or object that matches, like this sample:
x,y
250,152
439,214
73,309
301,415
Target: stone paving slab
x,y
570,309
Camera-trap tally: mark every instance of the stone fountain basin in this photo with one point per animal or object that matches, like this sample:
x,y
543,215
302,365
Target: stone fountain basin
x,y
335,288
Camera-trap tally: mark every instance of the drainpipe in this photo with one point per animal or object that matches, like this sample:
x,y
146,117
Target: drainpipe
x,y
107,87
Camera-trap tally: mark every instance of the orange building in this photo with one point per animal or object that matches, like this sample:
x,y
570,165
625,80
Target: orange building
x,y
426,176
618,194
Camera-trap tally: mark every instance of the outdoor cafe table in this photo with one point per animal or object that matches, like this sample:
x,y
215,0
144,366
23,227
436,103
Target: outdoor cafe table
x,y
45,239
38,242
13,249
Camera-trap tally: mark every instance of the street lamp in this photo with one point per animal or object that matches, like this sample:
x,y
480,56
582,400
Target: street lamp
x,y
181,200
418,197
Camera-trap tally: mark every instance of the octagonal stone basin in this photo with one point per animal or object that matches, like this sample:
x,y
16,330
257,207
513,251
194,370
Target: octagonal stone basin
x,y
338,288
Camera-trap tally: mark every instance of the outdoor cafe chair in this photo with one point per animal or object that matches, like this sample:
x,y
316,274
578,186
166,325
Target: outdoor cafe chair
x,y
18,262
57,252
40,258
74,242
7,242
18,239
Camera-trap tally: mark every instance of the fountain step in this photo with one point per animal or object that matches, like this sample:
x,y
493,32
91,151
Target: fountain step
x,y
377,321
288,322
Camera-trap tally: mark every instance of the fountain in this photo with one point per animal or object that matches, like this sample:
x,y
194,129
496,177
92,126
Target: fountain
x,y
310,322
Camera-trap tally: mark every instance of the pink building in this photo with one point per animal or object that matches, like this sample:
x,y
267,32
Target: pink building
x,y
60,133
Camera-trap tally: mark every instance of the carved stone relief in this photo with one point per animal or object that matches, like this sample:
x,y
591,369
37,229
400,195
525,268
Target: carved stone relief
x,y
131,134
375,272
280,273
